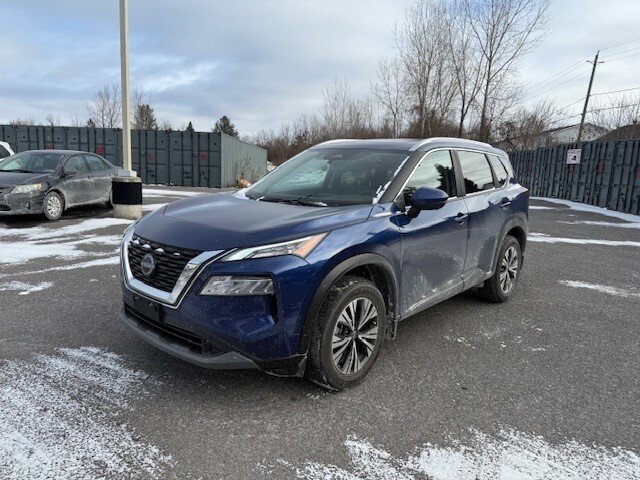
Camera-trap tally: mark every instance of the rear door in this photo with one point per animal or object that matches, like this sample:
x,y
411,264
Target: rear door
x,y
486,214
434,244
76,186
100,178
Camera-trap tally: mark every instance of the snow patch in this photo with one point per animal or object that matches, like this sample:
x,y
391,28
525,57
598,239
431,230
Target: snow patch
x,y
60,418
24,288
510,455
536,207
544,238
158,192
582,207
85,226
153,206
618,292
602,224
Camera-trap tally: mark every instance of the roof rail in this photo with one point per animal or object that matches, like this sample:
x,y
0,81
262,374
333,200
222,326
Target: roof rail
x,y
427,141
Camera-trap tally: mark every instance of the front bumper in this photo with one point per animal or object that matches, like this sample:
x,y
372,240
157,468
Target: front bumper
x,y
21,203
227,332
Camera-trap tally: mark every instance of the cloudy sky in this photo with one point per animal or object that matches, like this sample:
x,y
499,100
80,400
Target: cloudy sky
x,y
265,61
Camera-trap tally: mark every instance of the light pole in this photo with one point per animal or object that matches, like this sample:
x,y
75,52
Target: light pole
x,y
126,190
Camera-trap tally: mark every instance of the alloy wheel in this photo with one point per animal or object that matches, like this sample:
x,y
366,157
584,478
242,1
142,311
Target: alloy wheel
x,y
509,269
355,336
53,206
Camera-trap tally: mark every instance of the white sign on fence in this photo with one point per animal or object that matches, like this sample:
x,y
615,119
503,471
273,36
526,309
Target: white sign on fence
x,y
573,156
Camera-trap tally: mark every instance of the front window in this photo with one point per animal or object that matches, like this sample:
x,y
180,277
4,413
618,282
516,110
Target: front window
x,y
31,162
434,171
330,177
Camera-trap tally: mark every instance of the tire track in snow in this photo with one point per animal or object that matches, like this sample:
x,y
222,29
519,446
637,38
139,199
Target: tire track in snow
x,y
60,418
510,455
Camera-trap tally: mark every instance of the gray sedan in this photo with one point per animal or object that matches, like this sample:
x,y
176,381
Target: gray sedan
x,y
50,181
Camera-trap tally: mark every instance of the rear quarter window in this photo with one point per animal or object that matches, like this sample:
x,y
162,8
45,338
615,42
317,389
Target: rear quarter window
x,y
499,169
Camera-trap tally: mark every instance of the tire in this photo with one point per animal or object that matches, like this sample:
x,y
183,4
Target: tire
x,y
53,206
502,284
355,353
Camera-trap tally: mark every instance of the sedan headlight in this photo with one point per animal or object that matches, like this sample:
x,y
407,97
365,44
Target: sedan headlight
x,y
34,187
238,286
300,248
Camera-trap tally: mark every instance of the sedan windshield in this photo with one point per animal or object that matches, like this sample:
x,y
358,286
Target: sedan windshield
x,y
330,177
31,162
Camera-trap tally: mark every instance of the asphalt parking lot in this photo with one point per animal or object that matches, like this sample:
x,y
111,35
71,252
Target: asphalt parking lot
x,y
544,386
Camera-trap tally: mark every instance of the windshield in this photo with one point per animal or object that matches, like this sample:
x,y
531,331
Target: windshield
x,y
31,162
329,177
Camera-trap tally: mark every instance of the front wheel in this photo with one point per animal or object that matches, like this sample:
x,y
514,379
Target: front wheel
x,y
349,333
53,206
501,285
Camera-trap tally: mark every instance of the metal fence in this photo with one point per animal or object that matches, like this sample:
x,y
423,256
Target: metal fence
x,y
608,174
178,158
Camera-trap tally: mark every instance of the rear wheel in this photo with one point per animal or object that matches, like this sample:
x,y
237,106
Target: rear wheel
x,y
501,285
53,206
349,333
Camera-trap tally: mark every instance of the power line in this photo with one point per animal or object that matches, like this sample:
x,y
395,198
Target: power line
x,y
615,91
624,56
619,44
596,110
615,54
542,92
560,74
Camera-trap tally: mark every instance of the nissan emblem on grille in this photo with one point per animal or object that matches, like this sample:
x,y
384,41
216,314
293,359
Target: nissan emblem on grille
x,y
148,264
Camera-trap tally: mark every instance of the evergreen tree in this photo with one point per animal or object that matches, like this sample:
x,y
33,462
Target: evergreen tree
x,y
144,118
224,125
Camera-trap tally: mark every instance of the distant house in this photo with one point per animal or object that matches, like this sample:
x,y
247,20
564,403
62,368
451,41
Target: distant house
x,y
628,132
568,134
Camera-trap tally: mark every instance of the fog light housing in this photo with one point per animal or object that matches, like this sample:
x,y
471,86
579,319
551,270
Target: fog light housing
x,y
237,286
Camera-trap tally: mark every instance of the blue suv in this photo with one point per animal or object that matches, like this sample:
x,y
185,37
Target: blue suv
x,y
306,272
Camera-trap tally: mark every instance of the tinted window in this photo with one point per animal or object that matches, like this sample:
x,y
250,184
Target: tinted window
x,y
3,152
95,163
434,171
345,176
76,163
32,162
476,171
499,170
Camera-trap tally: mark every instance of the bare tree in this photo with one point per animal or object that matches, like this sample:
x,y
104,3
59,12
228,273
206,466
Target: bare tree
x,y
52,120
466,63
105,108
616,111
523,129
421,43
388,90
28,121
504,30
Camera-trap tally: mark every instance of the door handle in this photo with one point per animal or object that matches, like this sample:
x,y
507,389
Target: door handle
x,y
505,203
461,217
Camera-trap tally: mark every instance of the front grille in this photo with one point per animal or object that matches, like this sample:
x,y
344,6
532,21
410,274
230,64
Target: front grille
x,y
170,261
169,332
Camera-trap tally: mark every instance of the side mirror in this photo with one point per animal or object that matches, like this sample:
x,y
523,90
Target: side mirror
x,y
426,199
69,172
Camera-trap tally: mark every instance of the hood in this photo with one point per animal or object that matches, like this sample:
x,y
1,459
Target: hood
x,y
227,220
19,178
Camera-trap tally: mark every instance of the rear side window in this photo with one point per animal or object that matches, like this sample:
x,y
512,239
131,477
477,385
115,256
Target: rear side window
x,y
499,170
476,171
95,163
76,163
434,171
3,152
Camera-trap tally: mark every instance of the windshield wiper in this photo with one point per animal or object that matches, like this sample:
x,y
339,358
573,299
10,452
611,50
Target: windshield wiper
x,y
293,201
17,170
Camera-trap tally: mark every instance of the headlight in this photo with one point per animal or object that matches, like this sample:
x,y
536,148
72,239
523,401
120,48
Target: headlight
x,y
237,286
34,187
301,248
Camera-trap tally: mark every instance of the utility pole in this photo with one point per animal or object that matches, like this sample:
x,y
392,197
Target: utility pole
x,y
586,100
126,191
124,71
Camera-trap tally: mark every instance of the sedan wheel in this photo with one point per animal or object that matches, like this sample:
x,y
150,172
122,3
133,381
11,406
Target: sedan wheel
x,y
355,336
53,206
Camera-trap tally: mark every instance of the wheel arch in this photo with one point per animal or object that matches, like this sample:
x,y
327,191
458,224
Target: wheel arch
x,y
517,227
371,266
57,190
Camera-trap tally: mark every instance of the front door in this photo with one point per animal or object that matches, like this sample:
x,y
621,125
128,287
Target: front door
x,y
434,244
76,181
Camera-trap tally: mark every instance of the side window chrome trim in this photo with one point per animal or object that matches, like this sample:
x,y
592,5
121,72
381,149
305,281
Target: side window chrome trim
x,y
404,185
